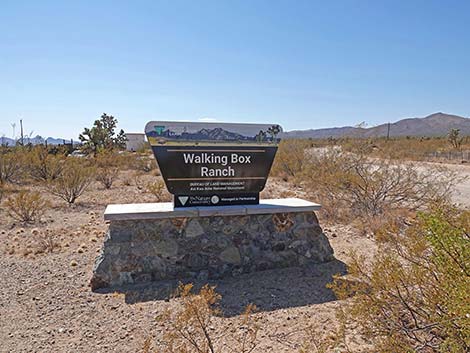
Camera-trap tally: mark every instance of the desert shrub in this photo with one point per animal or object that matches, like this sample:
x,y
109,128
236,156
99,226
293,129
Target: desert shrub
x,y
27,207
108,165
11,166
414,295
157,189
2,191
290,157
75,178
373,187
400,148
189,328
107,176
44,166
46,242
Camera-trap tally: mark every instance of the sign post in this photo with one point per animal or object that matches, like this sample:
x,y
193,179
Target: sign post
x,y
209,164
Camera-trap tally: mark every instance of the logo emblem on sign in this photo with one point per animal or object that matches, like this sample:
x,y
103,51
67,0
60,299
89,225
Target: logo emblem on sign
x,y
183,199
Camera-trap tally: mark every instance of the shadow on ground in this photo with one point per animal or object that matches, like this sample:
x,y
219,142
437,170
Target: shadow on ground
x,y
268,290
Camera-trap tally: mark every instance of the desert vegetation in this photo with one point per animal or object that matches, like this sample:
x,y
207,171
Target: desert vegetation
x,y
389,218
414,295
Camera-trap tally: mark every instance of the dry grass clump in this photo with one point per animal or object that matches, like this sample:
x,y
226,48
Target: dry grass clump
x,y
414,295
75,178
46,242
27,207
190,328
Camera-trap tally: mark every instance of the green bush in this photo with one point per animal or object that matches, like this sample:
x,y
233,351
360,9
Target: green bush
x,y
11,166
414,295
43,165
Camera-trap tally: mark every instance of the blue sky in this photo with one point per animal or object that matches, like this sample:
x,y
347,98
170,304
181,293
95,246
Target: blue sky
x,y
303,64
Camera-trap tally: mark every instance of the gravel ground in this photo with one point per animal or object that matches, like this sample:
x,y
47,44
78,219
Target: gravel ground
x,y
46,304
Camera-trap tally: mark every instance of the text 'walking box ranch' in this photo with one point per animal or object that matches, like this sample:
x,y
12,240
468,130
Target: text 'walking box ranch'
x,y
207,164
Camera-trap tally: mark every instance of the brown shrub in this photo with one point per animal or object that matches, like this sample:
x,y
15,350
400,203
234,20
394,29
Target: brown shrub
x,y
108,165
157,189
27,207
107,176
189,328
355,185
290,157
46,242
75,178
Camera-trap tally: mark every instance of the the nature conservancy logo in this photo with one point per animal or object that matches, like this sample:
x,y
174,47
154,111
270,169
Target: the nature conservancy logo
x,y
206,164
183,199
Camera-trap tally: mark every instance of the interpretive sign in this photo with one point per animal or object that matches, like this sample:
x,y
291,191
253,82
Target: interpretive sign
x,y
207,164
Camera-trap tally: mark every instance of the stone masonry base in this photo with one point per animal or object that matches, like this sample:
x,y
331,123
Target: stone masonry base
x,y
145,250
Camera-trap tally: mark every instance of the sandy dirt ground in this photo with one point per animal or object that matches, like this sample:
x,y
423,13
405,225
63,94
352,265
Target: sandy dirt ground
x,y
46,304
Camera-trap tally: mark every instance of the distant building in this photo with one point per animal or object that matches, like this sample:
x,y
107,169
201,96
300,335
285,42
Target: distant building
x,y
135,141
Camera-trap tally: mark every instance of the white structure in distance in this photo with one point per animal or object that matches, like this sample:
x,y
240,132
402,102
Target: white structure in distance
x,y
135,141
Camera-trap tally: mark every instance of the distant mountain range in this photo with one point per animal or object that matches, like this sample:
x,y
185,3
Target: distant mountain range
x,y
437,124
34,140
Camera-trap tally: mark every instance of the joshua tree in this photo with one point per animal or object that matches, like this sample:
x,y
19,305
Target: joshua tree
x,y
102,135
273,131
260,136
454,138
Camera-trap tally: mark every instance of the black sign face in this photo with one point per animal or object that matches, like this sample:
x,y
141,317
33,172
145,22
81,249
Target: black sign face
x,y
207,164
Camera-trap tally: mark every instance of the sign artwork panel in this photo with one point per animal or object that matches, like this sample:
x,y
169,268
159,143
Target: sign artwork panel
x,y
207,164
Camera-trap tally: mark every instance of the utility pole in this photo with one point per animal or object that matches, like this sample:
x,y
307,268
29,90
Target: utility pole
x,y
388,131
22,137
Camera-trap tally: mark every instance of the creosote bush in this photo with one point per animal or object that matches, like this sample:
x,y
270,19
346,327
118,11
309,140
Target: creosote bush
x,y
11,166
27,207
75,178
414,295
190,328
290,158
358,186
43,165
108,165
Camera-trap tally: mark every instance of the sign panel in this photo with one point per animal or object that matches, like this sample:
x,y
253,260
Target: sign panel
x,y
207,164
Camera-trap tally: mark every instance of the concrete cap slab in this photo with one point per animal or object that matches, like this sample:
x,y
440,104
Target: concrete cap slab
x,y
136,211
282,205
131,211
